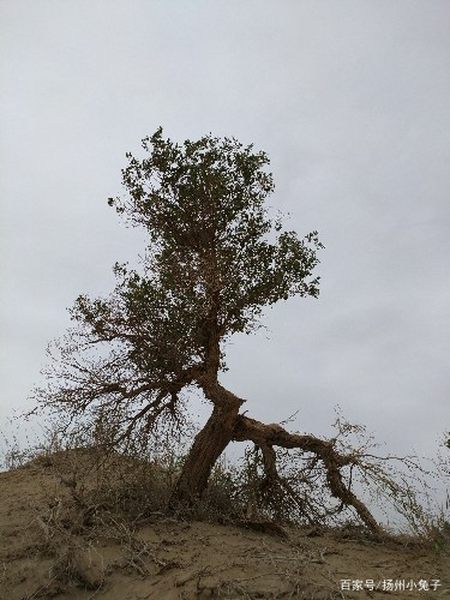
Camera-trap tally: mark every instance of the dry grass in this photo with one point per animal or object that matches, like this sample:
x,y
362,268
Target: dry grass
x,y
103,521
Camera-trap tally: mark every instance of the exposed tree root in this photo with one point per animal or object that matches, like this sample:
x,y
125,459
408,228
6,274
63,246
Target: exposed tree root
x,y
267,436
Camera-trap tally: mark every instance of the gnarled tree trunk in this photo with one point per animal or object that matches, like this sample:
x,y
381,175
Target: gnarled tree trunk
x,y
208,445
226,424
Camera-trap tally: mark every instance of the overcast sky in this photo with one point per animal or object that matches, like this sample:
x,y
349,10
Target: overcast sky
x,y
350,99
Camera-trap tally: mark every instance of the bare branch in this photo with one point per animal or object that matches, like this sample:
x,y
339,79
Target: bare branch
x,y
274,435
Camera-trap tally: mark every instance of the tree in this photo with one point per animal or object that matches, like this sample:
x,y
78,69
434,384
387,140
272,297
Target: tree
x,y
215,259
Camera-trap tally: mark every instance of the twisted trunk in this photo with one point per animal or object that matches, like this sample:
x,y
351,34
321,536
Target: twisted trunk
x,y
208,445
226,424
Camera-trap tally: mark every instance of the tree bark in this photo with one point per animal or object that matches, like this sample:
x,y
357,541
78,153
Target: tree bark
x,y
208,445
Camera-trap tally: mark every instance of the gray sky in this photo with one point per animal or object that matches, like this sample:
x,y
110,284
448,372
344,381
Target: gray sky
x,y
350,99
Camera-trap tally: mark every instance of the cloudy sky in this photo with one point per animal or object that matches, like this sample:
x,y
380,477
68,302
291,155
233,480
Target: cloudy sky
x,y
350,99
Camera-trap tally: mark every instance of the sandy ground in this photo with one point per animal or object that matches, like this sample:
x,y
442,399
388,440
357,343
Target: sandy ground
x,y
163,558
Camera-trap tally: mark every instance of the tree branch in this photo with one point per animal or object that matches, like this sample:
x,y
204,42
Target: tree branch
x,y
273,434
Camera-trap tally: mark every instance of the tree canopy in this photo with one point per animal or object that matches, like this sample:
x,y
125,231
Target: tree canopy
x,y
214,260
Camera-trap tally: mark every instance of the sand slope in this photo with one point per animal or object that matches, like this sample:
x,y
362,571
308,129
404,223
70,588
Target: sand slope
x,y
163,558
